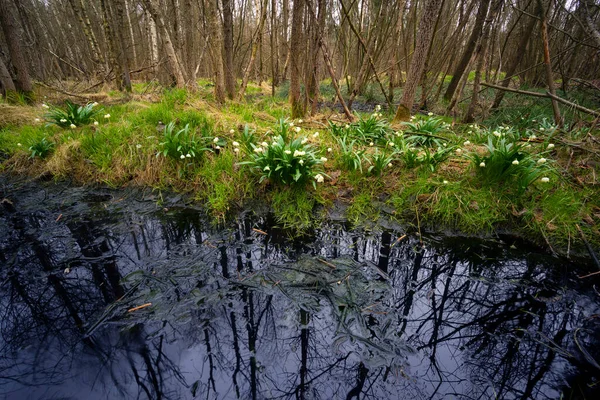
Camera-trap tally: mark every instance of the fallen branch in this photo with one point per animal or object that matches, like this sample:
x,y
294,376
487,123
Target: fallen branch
x,y
545,95
64,91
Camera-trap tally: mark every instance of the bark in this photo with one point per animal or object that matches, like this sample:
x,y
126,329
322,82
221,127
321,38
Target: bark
x,y
174,63
295,56
273,42
312,79
255,45
481,56
548,64
216,44
124,80
417,64
512,67
86,25
468,53
12,35
230,83
7,86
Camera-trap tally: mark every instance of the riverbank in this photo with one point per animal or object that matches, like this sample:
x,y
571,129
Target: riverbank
x,y
521,175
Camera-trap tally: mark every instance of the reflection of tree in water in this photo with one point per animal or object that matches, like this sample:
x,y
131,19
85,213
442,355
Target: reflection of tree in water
x,y
236,313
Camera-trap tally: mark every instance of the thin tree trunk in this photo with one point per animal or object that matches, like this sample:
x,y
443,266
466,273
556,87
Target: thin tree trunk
x,y
230,83
168,44
255,45
11,35
7,85
295,56
216,44
417,64
512,67
468,53
481,57
548,64
123,81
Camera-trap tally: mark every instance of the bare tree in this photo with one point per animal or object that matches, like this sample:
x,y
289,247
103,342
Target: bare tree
x,y
417,64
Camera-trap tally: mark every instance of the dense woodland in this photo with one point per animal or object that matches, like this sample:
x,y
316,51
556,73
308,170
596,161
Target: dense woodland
x,y
428,47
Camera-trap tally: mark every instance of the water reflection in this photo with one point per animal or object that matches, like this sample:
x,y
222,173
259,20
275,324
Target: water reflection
x,y
237,313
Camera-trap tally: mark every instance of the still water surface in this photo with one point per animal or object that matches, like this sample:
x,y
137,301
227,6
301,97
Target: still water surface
x,y
241,311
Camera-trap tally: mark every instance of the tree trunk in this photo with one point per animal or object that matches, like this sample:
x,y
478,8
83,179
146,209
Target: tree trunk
x,y
124,80
417,64
230,83
7,86
11,35
295,57
468,53
481,56
512,67
216,44
255,45
174,63
548,64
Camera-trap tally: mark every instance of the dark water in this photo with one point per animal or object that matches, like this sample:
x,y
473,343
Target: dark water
x,y
240,313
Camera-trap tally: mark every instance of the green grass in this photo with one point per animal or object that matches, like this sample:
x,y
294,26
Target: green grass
x,y
445,190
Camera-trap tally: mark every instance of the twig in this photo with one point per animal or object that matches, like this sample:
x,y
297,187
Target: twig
x,y
64,91
588,275
259,231
330,265
139,307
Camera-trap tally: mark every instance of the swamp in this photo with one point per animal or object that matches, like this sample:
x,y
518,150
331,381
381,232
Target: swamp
x,y
299,199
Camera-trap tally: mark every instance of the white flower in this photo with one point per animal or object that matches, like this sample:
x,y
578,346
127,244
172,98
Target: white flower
x,y
377,108
236,144
390,165
72,126
258,149
371,144
515,162
482,164
301,162
94,104
182,156
266,168
329,149
107,116
471,126
63,120
304,141
298,153
445,182
96,123
297,129
232,131
264,144
215,140
346,126
541,129
291,124
319,178
37,120
541,160
374,115
316,134
466,143
188,155
138,146
236,150
528,145
19,144
323,159
532,137
430,114
550,145
496,133
412,117
300,121
44,105
545,179
391,144
288,151
458,151
218,147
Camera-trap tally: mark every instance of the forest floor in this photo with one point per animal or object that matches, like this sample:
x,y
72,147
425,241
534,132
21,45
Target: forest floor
x,y
515,171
